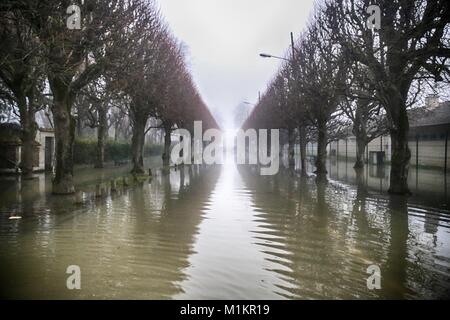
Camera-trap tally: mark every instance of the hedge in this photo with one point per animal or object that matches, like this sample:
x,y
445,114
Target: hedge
x,y
85,151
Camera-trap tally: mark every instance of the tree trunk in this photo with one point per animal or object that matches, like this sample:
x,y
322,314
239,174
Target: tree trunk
x,y
29,130
167,142
399,130
137,145
291,151
28,150
321,169
64,136
400,158
360,132
303,142
101,136
79,127
116,131
360,148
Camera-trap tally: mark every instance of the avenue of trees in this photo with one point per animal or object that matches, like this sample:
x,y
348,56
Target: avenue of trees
x,y
121,67
344,71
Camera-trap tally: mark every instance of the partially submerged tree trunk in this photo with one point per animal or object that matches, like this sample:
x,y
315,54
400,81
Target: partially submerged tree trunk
x,y
400,153
28,149
291,151
137,145
64,124
28,137
302,141
359,131
361,189
360,148
101,136
321,149
167,142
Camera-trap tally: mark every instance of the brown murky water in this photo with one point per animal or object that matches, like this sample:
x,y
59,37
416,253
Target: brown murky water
x,y
227,232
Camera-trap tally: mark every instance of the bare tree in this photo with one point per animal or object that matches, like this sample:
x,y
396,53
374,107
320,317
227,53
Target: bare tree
x,y
321,71
413,39
364,111
22,79
73,58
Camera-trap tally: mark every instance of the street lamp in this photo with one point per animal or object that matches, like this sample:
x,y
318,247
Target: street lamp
x,y
247,112
265,55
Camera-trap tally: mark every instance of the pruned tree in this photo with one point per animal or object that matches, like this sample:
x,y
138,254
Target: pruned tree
x,y
73,58
321,73
413,40
22,79
359,104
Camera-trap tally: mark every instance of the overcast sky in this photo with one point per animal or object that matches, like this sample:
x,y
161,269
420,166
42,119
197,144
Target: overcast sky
x,y
225,37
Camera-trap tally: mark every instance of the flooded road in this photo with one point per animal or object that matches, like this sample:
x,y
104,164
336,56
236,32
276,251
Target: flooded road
x,y
225,232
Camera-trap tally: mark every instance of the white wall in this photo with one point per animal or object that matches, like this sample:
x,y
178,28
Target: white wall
x,y
431,152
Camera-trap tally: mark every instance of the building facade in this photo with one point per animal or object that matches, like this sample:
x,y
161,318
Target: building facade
x,y
428,141
11,146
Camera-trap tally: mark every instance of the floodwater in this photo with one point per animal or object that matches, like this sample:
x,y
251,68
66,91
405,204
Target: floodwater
x,y
225,232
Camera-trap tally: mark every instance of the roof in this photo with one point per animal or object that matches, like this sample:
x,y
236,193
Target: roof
x,y
43,120
431,117
10,134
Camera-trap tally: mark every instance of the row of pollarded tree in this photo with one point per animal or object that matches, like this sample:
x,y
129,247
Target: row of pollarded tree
x,y
122,55
343,71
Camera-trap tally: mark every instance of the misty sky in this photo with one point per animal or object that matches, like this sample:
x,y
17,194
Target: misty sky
x,y
225,38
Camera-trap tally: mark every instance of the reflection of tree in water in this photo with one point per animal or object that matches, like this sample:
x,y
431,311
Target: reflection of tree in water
x,y
168,229
29,248
413,267
134,244
325,236
394,270
296,233
359,213
320,245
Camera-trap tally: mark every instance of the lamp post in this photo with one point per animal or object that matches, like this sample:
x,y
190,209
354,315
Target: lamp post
x,y
266,55
291,131
248,111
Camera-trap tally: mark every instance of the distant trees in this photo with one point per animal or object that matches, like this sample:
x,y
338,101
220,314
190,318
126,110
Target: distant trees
x,y
96,102
107,63
344,66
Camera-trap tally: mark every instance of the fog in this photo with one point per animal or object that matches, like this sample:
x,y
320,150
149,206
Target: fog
x,y
224,39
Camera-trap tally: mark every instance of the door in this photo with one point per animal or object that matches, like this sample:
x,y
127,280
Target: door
x,y
49,141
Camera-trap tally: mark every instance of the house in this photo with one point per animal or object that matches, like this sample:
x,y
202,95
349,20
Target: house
x,y
11,145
